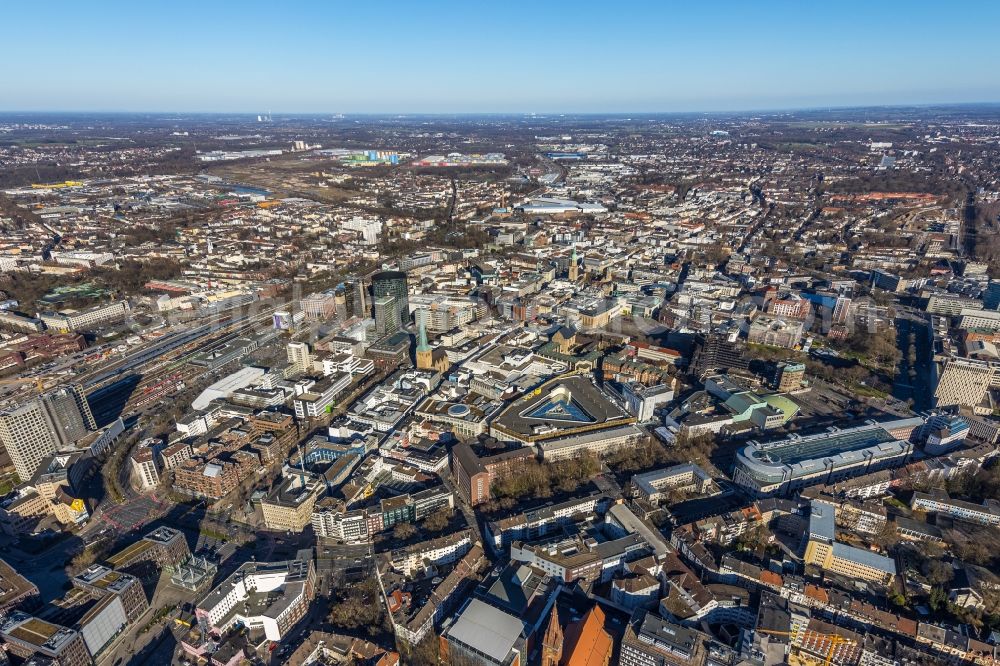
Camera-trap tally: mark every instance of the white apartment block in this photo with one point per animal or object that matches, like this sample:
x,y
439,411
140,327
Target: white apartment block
x,y
369,229
984,514
321,396
145,469
260,595
335,523
299,356
441,313
443,550
348,363
988,320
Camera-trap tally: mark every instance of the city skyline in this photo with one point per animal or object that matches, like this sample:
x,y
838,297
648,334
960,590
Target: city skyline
x,y
464,334
447,58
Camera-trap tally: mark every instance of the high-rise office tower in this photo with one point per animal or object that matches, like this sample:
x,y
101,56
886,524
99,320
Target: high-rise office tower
x,y
340,301
387,320
41,426
393,283
27,437
69,413
717,351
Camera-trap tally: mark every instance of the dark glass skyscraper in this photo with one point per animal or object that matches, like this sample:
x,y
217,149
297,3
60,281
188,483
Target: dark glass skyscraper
x,y
393,283
355,298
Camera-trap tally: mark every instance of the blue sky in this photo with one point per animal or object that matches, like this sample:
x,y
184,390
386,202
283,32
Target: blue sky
x,y
463,57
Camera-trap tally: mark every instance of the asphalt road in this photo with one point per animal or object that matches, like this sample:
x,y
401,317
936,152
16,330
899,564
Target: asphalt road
x,y
917,384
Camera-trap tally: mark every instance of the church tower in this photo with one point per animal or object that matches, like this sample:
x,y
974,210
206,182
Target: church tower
x,y
552,642
425,355
574,267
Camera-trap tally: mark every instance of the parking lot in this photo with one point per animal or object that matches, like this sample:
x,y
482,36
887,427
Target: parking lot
x,y
133,514
821,401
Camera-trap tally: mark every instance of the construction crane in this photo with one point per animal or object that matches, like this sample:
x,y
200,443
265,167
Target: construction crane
x,y
836,640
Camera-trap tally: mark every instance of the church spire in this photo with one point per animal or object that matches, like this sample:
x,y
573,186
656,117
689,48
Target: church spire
x,y
422,344
552,642
425,355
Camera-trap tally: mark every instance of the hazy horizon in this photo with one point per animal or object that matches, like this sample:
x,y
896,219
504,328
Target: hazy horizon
x,y
540,114
443,58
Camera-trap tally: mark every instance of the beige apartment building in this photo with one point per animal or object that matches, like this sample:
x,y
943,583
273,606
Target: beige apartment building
x,y
966,382
289,507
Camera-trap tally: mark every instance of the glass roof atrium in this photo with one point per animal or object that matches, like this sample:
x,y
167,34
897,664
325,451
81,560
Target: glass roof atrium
x,y
801,450
560,409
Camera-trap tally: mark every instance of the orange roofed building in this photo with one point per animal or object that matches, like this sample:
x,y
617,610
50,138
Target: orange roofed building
x,y
587,643
771,578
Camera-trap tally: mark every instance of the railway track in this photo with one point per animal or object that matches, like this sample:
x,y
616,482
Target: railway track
x,y
173,354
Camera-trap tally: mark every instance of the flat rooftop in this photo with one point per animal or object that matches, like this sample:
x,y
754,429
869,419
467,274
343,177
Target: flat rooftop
x,y
35,631
663,634
129,553
294,489
162,535
39,633
560,407
822,521
801,456
13,585
486,629
294,571
797,451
